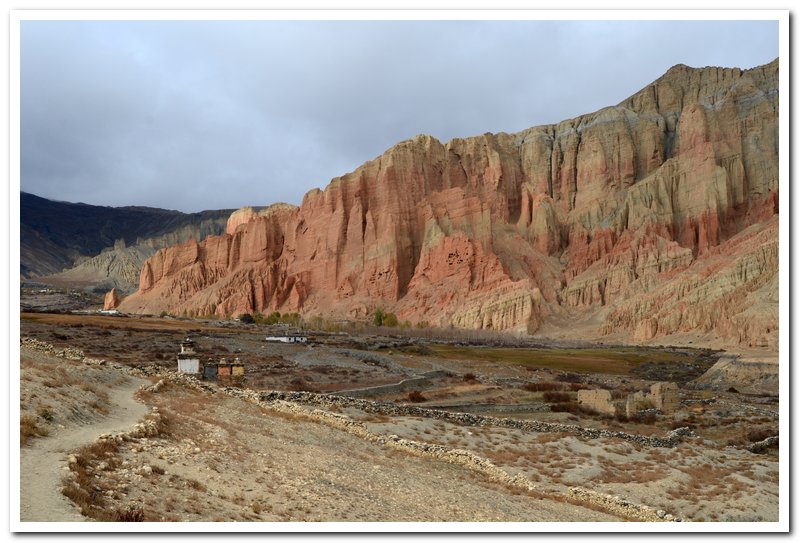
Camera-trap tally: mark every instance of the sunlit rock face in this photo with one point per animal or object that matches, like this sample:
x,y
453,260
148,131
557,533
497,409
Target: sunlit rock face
x,y
649,218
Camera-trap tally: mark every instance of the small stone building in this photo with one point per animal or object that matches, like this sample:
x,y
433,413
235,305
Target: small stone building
x,y
638,401
662,396
224,370
188,361
665,397
210,371
597,400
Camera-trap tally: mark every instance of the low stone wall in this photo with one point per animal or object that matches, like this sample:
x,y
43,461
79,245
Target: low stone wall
x,y
665,397
68,353
415,383
672,439
761,446
597,400
494,407
621,507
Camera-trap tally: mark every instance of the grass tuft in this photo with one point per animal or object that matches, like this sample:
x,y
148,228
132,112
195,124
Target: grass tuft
x,y
29,427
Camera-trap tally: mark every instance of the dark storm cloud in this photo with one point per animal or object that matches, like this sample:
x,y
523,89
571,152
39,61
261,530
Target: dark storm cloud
x,y
204,114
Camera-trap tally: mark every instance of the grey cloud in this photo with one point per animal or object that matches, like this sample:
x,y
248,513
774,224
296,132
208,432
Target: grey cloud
x,y
206,114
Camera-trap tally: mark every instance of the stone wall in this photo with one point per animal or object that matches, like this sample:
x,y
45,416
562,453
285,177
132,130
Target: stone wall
x,y
665,397
638,401
597,400
662,396
420,382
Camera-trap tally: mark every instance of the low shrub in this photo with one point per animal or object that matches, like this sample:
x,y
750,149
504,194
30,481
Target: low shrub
x,y
574,387
390,320
298,384
130,514
760,434
29,427
570,378
46,414
571,407
416,396
542,386
556,397
644,417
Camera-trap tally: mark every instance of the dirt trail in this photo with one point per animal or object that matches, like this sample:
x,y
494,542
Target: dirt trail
x,y
42,461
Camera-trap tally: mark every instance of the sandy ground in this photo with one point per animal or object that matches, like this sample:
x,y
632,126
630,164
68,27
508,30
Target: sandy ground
x,y
42,462
228,460
698,480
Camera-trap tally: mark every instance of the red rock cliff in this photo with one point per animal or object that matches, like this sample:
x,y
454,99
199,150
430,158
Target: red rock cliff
x,y
586,219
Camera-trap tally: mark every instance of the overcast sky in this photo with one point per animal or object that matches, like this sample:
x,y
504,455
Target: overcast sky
x,y
195,115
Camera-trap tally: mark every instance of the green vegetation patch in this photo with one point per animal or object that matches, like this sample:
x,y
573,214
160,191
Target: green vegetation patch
x,y
616,361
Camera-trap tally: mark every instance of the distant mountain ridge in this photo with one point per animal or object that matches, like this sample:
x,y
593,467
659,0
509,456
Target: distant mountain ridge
x,y
57,235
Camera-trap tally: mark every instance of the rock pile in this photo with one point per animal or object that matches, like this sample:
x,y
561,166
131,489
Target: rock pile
x,y
149,427
761,446
69,353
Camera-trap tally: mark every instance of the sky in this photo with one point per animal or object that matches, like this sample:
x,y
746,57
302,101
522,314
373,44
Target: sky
x,y
194,115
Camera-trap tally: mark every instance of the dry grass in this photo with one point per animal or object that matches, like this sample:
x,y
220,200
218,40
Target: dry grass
x,y
631,472
144,324
86,486
543,386
29,427
130,514
572,407
195,485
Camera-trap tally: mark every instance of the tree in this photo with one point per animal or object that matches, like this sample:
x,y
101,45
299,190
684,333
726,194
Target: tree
x,y
390,319
246,318
273,318
378,316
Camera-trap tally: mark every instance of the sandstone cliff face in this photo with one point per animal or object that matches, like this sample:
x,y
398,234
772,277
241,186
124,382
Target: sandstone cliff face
x,y
656,215
111,300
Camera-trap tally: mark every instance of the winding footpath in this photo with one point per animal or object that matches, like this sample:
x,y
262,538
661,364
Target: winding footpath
x,y
41,461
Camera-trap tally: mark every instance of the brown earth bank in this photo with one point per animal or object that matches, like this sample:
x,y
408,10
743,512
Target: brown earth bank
x,y
489,433
652,219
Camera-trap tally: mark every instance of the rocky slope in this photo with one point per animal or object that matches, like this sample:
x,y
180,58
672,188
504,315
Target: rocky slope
x,y
645,219
85,245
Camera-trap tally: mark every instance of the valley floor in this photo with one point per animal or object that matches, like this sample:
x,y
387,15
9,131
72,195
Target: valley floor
x,y
212,453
